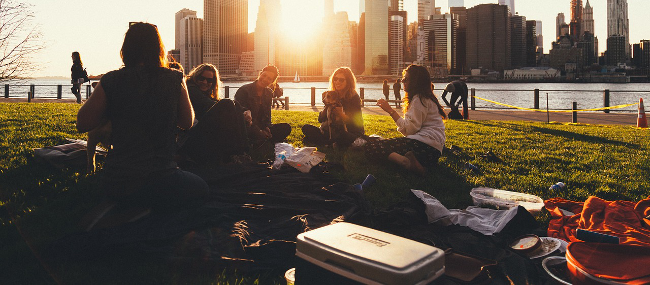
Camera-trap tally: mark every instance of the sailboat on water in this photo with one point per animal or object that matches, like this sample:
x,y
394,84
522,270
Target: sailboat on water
x,y
296,78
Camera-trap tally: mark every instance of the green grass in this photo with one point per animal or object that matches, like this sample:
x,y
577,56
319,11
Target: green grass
x,y
39,204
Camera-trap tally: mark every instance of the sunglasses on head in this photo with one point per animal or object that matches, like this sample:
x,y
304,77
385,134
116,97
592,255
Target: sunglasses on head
x,y
209,80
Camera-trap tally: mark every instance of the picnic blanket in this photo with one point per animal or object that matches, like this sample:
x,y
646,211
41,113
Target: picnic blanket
x,y
630,221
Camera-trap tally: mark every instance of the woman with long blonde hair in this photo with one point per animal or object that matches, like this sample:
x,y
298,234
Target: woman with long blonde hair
x,y
422,125
343,85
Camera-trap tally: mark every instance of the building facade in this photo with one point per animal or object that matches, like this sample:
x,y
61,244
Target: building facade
x,y
426,8
225,32
518,41
266,32
488,37
191,42
337,49
376,37
510,4
576,20
396,48
559,21
177,25
588,18
618,23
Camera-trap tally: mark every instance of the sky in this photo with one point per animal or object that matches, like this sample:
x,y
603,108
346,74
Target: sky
x,y
96,28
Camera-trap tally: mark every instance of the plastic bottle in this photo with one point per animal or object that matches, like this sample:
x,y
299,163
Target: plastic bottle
x,y
471,167
279,160
557,186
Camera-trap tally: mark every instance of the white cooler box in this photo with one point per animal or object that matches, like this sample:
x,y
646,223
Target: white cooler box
x,y
345,253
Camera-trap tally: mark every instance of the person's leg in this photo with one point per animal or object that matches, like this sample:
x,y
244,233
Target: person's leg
x,y
313,135
465,110
220,133
76,90
280,132
427,155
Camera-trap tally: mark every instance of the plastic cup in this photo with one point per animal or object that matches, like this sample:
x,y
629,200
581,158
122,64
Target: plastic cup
x,y
290,275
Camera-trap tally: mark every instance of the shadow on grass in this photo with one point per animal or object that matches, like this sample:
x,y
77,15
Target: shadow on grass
x,y
554,132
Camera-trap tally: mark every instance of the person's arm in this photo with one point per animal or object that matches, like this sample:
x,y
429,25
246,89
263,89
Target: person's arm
x,y
444,97
242,96
383,104
93,112
185,110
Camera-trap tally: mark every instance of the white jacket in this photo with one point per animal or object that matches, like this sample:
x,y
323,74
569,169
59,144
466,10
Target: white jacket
x,y
422,122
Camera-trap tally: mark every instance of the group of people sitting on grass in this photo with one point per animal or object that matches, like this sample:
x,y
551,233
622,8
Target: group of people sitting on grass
x,y
148,102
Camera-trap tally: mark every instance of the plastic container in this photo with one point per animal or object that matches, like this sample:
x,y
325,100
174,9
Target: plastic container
x,y
290,276
502,199
345,253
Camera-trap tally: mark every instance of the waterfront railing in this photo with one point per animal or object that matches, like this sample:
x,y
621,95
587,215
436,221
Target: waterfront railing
x,y
480,98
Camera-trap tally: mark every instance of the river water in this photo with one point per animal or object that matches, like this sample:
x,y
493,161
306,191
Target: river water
x,y
560,95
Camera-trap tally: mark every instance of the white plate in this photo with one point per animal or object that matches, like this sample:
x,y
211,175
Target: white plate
x,y
542,251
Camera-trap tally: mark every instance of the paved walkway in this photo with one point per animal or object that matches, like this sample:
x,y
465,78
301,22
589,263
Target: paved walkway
x,y
601,118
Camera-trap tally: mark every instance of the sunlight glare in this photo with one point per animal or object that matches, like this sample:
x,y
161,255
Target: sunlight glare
x,y
300,19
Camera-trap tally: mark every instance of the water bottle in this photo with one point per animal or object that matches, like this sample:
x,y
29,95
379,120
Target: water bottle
x,y
279,160
557,186
471,167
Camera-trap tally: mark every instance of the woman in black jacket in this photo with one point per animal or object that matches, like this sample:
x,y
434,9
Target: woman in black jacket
x,y
79,75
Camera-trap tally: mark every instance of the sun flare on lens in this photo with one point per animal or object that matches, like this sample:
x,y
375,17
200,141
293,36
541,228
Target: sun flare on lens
x,y
300,19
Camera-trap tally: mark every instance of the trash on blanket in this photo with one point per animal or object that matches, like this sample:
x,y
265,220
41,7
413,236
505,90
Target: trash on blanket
x,y
485,221
60,156
502,199
302,159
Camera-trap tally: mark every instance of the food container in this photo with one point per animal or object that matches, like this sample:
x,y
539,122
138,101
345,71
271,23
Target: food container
x,y
603,263
502,199
345,253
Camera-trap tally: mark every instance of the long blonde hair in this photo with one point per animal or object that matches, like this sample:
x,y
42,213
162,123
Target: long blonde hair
x,y
197,71
349,78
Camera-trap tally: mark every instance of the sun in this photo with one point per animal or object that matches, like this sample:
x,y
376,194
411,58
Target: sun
x,y
300,19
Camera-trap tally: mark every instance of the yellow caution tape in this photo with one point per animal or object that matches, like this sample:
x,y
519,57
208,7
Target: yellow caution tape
x,y
558,111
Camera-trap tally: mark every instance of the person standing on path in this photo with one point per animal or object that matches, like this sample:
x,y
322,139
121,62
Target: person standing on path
x,y
79,75
458,90
397,88
386,89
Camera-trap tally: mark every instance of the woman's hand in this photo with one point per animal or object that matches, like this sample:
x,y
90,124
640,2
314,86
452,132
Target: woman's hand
x,y
248,118
383,104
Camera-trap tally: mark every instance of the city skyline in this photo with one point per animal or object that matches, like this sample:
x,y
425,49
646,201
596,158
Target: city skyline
x,y
98,36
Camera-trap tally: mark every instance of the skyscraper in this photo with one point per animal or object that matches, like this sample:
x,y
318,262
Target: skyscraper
x,y
266,30
517,41
588,18
461,40
488,37
396,5
576,20
426,8
177,25
510,4
618,23
396,41
540,38
456,3
376,37
559,21
225,30
191,40
337,49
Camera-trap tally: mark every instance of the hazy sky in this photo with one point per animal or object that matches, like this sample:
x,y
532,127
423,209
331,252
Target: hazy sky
x,y
96,28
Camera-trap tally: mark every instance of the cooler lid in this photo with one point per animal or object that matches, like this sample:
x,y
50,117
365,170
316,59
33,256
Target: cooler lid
x,y
365,243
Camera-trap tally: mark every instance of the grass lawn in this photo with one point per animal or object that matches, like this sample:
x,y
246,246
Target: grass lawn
x,y
39,204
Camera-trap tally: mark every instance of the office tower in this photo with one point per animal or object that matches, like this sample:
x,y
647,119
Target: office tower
x,y
531,43
540,38
645,54
616,48
588,45
576,20
517,41
456,3
618,23
356,61
177,25
426,8
266,33
191,39
510,4
396,41
559,21
588,18
376,37
443,43
461,39
488,37
411,51
396,5
337,49
225,30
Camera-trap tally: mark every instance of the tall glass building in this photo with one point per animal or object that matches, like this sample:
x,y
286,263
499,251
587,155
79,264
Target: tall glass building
x,y
376,36
225,31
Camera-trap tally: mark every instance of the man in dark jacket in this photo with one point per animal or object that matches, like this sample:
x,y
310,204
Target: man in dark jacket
x,y
257,99
458,90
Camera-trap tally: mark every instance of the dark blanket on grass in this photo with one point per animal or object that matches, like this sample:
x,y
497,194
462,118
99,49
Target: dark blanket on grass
x,y
252,219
